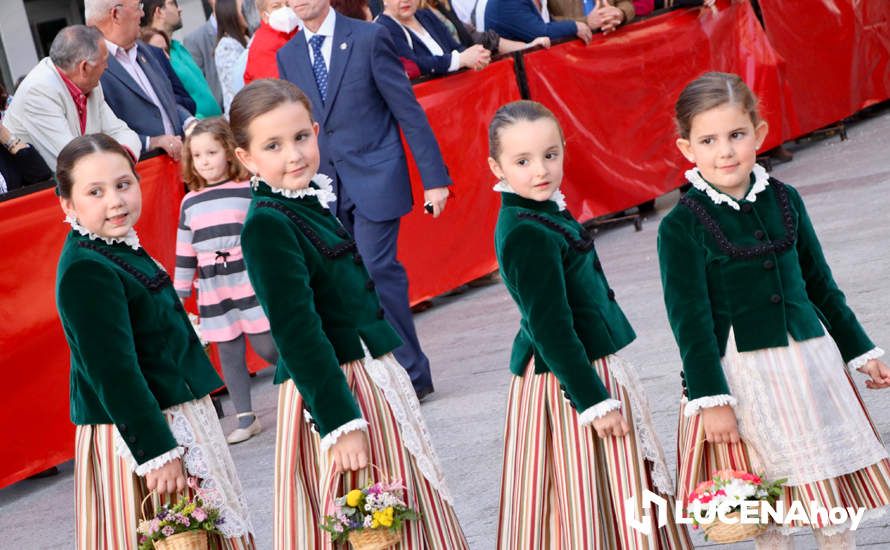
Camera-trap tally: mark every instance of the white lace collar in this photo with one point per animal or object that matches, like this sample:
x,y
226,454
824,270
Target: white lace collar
x,y
503,187
130,239
761,180
324,190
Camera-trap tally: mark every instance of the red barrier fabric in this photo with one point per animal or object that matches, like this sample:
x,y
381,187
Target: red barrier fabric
x,y
838,54
615,99
441,254
34,359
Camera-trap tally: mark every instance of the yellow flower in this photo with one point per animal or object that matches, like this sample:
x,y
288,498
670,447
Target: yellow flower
x,y
385,518
354,498
374,523
189,509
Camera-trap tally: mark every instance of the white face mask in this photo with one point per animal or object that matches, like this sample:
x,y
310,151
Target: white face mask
x,y
283,19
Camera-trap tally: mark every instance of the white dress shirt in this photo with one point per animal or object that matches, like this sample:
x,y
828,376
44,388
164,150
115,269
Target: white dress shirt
x,y
327,30
127,60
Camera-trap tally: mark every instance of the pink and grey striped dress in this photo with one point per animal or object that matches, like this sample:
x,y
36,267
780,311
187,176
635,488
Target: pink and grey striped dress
x,y
208,243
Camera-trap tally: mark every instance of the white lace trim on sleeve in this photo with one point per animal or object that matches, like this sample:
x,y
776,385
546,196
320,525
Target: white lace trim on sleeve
x,y
860,361
121,450
599,410
696,405
352,426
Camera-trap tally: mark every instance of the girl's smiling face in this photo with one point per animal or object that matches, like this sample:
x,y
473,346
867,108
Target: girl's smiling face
x,y
105,195
283,147
209,158
530,158
723,144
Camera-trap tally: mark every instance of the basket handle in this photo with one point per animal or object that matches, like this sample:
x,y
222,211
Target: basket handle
x,y
144,500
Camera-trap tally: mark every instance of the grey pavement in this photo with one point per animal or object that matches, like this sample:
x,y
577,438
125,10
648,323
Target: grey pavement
x,y
846,186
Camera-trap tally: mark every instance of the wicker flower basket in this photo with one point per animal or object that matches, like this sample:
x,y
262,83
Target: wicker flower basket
x,y
189,540
374,539
724,533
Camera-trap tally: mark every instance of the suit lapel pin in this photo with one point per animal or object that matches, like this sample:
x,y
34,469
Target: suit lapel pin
x,y
343,45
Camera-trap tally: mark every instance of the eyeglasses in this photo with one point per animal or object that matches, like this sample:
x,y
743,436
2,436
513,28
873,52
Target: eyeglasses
x,y
138,6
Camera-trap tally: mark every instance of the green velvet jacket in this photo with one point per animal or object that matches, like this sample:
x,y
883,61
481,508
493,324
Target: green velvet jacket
x,y
133,350
321,303
569,313
759,270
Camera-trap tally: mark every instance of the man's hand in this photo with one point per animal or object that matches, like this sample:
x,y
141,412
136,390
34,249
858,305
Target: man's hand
x,y
172,145
583,32
437,196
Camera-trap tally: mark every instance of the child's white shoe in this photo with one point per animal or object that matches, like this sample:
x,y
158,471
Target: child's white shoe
x,y
243,434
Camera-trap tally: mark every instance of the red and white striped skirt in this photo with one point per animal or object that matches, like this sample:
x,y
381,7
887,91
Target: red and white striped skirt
x,y
800,418
563,486
306,484
109,496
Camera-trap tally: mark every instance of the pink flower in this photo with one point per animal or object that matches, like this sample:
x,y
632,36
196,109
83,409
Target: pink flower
x,y
167,531
155,525
199,514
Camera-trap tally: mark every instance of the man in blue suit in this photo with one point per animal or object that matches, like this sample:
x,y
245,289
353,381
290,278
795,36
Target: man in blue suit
x,y
135,85
361,98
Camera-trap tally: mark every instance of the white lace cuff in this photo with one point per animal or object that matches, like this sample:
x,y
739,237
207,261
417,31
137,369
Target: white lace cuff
x,y
121,450
599,410
696,405
158,461
860,361
353,425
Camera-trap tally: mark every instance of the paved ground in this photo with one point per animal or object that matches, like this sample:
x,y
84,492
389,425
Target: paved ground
x,y
847,189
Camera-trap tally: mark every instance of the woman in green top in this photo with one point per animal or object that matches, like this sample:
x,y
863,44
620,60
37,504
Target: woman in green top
x,y
765,334
140,380
579,437
344,402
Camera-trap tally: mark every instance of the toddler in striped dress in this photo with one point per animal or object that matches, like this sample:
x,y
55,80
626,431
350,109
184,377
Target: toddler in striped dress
x,y
208,243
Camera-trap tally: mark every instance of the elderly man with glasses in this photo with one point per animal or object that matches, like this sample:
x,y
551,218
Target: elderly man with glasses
x,y
135,84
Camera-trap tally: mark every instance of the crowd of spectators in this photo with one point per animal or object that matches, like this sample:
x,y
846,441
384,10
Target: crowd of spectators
x,y
125,75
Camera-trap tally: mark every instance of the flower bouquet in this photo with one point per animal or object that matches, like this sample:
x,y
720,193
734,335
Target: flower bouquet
x,y
723,500
369,518
181,526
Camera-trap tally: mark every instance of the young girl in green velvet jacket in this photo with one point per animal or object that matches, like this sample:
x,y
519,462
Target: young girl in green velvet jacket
x,y
765,334
140,380
344,402
579,438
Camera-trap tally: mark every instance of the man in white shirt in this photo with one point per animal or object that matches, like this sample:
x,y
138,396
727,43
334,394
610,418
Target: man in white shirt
x,y
61,98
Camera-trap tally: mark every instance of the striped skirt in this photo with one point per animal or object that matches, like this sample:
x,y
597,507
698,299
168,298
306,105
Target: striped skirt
x,y
109,495
563,486
800,418
306,484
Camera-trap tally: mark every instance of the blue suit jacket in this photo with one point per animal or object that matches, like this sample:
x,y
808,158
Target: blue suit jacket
x,y
182,96
417,51
132,105
369,99
521,20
